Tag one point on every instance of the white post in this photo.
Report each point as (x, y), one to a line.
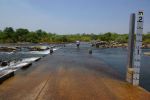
(138, 46)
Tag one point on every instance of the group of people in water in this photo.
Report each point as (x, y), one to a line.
(78, 44)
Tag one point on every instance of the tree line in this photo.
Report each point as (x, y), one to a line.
(9, 35)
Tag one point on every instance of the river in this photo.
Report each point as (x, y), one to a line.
(117, 58)
(113, 57)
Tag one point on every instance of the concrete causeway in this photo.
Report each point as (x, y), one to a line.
(69, 74)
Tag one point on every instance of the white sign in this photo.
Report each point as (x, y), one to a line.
(138, 46)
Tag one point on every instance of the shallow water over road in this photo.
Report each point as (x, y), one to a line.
(73, 74)
(117, 59)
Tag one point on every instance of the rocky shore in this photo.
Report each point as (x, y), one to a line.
(113, 44)
(7, 49)
(15, 48)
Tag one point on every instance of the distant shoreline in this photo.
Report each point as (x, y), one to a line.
(100, 44)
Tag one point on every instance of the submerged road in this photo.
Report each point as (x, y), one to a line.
(69, 74)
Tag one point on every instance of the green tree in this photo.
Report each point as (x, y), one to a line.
(42, 35)
(146, 38)
(21, 34)
(32, 37)
(9, 34)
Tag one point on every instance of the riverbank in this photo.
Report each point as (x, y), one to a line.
(113, 44)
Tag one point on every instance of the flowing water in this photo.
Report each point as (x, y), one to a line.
(117, 58)
(114, 57)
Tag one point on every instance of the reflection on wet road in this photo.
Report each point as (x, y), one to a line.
(70, 74)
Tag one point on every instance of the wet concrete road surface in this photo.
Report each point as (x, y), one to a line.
(69, 74)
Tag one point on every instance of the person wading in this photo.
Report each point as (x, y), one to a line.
(51, 51)
(78, 44)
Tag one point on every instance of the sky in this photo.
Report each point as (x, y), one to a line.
(72, 16)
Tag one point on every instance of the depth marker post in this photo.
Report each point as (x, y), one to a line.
(129, 75)
(138, 50)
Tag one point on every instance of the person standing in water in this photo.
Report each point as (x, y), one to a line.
(78, 44)
(51, 51)
(90, 51)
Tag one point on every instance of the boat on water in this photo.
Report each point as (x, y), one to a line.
(147, 53)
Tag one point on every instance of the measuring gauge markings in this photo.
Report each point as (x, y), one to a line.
(138, 46)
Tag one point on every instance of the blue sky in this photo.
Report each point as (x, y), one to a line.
(72, 16)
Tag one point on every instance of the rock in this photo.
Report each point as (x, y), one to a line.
(7, 49)
(4, 63)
